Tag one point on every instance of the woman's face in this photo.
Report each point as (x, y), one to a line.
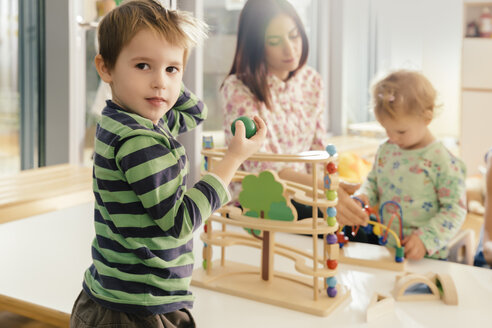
(283, 46)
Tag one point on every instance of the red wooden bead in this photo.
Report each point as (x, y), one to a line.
(331, 264)
(205, 228)
(331, 167)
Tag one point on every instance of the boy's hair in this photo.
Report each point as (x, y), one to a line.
(406, 92)
(122, 23)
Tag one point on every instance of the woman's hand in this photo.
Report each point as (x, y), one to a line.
(349, 211)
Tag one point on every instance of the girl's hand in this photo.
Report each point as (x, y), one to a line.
(414, 247)
(240, 147)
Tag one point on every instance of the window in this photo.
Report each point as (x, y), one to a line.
(9, 91)
(21, 90)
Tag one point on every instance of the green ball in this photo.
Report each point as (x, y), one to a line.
(249, 124)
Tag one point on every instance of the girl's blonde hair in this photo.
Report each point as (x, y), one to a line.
(122, 23)
(404, 91)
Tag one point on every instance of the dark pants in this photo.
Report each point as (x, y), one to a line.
(362, 236)
(88, 314)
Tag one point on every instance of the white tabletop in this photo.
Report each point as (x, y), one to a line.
(43, 259)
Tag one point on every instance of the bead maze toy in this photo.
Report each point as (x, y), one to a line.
(266, 210)
(394, 259)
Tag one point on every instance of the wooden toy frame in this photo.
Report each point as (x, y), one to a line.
(298, 292)
(383, 261)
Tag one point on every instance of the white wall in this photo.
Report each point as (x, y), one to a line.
(420, 34)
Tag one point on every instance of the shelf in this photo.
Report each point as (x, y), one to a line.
(478, 39)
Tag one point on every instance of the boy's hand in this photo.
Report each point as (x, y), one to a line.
(414, 247)
(240, 147)
(349, 211)
(239, 150)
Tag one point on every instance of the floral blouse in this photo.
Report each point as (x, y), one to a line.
(429, 185)
(295, 123)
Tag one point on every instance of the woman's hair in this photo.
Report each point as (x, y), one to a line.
(122, 23)
(249, 63)
(403, 91)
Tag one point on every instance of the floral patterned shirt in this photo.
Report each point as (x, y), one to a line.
(295, 123)
(429, 185)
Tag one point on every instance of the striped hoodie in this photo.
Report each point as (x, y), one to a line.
(144, 215)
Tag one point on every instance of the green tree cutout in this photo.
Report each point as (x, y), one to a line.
(262, 197)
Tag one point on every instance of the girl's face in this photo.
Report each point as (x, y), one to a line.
(407, 131)
(283, 46)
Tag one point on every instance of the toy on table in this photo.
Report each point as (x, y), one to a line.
(376, 226)
(437, 286)
(207, 143)
(249, 124)
(265, 210)
(379, 305)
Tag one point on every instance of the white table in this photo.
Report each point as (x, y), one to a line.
(42, 260)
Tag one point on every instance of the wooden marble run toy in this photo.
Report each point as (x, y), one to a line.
(267, 209)
(395, 260)
(439, 286)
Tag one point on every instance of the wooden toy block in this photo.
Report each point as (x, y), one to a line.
(410, 279)
(449, 293)
(379, 305)
(441, 286)
(333, 251)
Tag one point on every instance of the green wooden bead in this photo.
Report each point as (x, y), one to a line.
(332, 221)
(331, 194)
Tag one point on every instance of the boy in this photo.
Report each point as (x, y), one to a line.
(144, 215)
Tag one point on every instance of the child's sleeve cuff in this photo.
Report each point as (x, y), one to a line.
(219, 186)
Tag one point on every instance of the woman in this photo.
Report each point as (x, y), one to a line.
(269, 77)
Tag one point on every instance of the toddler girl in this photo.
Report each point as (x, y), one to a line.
(414, 169)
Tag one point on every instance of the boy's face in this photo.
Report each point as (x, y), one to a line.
(146, 79)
